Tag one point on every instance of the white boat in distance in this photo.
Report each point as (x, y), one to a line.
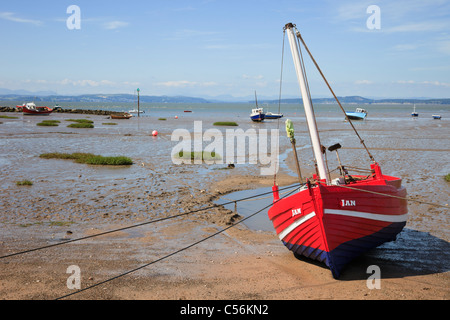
(270, 115)
(136, 111)
(359, 114)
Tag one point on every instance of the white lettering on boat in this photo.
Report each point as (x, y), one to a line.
(241, 147)
(348, 203)
(296, 212)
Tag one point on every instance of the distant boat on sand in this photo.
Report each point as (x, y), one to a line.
(270, 115)
(257, 114)
(124, 115)
(358, 114)
(30, 109)
(135, 111)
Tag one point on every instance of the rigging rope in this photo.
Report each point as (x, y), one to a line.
(334, 95)
(146, 223)
(392, 196)
(213, 235)
(176, 252)
(279, 105)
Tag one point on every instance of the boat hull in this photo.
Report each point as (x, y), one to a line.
(121, 116)
(258, 117)
(38, 112)
(273, 116)
(356, 115)
(334, 225)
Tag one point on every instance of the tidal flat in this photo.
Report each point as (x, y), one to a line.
(69, 200)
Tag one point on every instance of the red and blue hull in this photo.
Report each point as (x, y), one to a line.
(335, 224)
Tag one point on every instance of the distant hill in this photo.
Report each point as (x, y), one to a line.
(4, 91)
(130, 98)
(99, 98)
(362, 100)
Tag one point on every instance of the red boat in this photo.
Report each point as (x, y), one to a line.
(31, 109)
(335, 221)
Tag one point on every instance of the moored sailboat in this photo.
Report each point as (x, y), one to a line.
(257, 114)
(334, 221)
(414, 113)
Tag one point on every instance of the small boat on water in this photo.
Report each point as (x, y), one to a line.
(30, 109)
(257, 115)
(358, 114)
(124, 115)
(414, 113)
(335, 220)
(270, 115)
(436, 116)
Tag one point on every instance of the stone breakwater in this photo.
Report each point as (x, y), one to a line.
(80, 111)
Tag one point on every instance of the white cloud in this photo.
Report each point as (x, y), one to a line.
(112, 25)
(10, 16)
(444, 46)
(194, 33)
(363, 82)
(185, 83)
(184, 34)
(86, 83)
(405, 47)
(430, 83)
(425, 26)
(257, 77)
(218, 46)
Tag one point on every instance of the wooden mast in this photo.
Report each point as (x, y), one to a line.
(307, 104)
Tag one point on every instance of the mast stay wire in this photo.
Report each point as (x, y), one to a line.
(279, 105)
(178, 251)
(145, 223)
(299, 36)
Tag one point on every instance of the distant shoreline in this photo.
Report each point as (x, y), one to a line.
(129, 98)
(68, 110)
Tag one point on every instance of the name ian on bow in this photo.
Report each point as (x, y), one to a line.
(296, 212)
(348, 203)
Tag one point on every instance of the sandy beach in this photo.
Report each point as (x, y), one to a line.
(70, 200)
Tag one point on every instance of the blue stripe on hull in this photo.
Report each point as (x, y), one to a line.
(339, 257)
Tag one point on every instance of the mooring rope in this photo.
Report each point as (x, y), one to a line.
(145, 223)
(175, 252)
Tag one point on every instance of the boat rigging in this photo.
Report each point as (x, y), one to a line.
(334, 221)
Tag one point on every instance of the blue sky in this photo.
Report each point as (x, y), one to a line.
(212, 48)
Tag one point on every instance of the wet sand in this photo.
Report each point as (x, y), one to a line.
(70, 201)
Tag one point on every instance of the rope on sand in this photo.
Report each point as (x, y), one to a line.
(175, 252)
(146, 223)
